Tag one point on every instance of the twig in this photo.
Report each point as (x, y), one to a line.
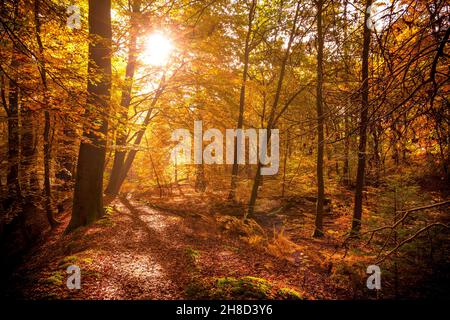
(405, 215)
(412, 238)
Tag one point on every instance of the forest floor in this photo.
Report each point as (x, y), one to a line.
(183, 247)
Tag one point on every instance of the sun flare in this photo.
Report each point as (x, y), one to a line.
(157, 49)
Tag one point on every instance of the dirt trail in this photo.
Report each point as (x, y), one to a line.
(142, 253)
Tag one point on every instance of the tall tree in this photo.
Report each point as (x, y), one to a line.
(318, 232)
(88, 193)
(235, 169)
(47, 144)
(12, 181)
(346, 164)
(357, 210)
(140, 134)
(272, 116)
(121, 139)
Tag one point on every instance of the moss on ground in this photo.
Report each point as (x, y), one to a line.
(230, 288)
(56, 279)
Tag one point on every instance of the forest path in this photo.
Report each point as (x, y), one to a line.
(129, 254)
(141, 259)
(139, 252)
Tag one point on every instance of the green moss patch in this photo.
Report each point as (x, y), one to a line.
(56, 279)
(231, 288)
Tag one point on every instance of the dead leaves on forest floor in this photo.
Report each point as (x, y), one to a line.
(145, 252)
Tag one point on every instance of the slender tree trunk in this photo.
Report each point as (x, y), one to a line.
(66, 156)
(357, 210)
(318, 231)
(12, 179)
(235, 169)
(285, 160)
(47, 144)
(130, 157)
(405, 138)
(140, 134)
(121, 140)
(346, 165)
(47, 162)
(200, 181)
(444, 155)
(176, 170)
(30, 182)
(88, 193)
(376, 152)
(156, 176)
(328, 148)
(270, 123)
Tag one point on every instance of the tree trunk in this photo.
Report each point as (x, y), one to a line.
(318, 231)
(121, 140)
(139, 135)
(235, 169)
(346, 164)
(47, 144)
(88, 193)
(357, 210)
(156, 175)
(376, 152)
(200, 181)
(270, 123)
(287, 148)
(12, 179)
(30, 182)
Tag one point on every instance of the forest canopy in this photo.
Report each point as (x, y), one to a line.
(307, 139)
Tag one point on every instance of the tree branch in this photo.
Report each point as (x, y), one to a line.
(412, 238)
